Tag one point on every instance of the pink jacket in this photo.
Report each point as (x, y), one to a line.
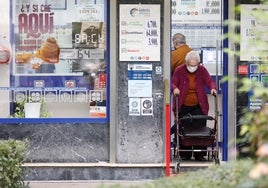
(202, 80)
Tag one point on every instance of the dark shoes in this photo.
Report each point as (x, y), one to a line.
(186, 158)
(200, 158)
(197, 158)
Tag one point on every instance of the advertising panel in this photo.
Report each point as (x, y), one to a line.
(59, 59)
(199, 20)
(253, 30)
(139, 31)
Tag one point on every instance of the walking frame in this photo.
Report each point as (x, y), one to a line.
(193, 135)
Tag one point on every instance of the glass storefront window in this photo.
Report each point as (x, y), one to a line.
(59, 59)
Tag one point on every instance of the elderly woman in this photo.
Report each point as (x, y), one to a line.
(189, 83)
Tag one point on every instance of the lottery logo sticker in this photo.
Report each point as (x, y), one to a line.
(80, 96)
(35, 96)
(96, 96)
(147, 106)
(65, 96)
(134, 107)
(20, 96)
(39, 83)
(134, 104)
(51, 96)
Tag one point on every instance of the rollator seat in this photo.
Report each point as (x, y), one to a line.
(196, 131)
(191, 117)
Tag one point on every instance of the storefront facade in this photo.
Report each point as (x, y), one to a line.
(102, 71)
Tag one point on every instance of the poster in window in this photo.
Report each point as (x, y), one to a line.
(200, 21)
(253, 30)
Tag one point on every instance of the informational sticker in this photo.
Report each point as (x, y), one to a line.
(102, 80)
(147, 106)
(257, 73)
(80, 96)
(96, 95)
(97, 111)
(50, 96)
(35, 95)
(20, 96)
(70, 83)
(158, 70)
(66, 96)
(39, 83)
(242, 69)
(254, 68)
(139, 88)
(139, 80)
(134, 106)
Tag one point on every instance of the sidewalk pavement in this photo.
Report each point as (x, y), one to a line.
(84, 184)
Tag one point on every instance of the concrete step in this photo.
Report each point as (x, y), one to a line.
(189, 165)
(83, 184)
(92, 171)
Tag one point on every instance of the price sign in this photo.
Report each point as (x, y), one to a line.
(90, 53)
(83, 53)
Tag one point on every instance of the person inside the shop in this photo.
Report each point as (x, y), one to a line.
(179, 52)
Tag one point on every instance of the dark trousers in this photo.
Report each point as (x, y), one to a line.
(193, 110)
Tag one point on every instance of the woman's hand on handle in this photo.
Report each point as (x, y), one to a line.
(213, 92)
(176, 92)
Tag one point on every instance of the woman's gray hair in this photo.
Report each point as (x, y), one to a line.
(192, 55)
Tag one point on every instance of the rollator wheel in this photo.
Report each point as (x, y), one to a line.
(209, 156)
(177, 167)
(215, 156)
